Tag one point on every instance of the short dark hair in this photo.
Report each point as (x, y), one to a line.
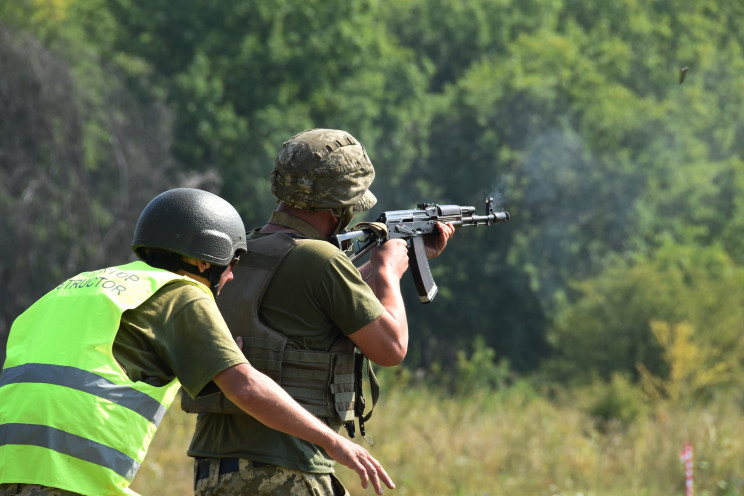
(162, 259)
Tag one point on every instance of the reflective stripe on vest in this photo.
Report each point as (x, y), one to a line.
(82, 380)
(69, 444)
(69, 416)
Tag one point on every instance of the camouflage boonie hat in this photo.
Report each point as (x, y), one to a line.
(323, 169)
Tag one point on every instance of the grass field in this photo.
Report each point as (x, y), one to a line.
(514, 443)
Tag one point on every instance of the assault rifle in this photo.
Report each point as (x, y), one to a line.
(411, 225)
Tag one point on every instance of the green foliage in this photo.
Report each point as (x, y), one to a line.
(569, 113)
(79, 158)
(695, 370)
(618, 401)
(244, 77)
(609, 327)
(620, 271)
(480, 371)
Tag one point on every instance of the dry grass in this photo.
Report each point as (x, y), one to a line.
(167, 471)
(513, 444)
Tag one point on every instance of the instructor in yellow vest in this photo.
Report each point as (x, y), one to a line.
(93, 365)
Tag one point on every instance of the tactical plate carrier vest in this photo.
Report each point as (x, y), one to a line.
(326, 383)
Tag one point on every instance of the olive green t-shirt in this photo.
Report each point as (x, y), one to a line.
(177, 332)
(315, 296)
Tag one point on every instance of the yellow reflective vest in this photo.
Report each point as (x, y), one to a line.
(70, 417)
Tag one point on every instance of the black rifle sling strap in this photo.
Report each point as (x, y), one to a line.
(360, 402)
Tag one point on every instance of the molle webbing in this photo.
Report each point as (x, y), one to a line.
(321, 381)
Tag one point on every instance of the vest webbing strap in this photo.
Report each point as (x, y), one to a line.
(306, 393)
(304, 356)
(69, 444)
(88, 382)
(305, 373)
(268, 344)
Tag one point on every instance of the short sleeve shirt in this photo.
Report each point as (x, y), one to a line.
(178, 332)
(315, 296)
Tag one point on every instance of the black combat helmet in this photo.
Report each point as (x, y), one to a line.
(191, 222)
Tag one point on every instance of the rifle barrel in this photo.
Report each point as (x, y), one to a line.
(478, 220)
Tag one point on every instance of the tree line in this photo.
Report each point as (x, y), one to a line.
(624, 180)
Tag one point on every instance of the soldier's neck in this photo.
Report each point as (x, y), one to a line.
(312, 224)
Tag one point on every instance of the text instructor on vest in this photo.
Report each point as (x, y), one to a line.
(317, 299)
(93, 365)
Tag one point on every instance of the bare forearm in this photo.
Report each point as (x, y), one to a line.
(385, 284)
(385, 339)
(267, 402)
(264, 400)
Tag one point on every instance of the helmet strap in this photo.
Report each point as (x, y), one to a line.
(213, 274)
(174, 262)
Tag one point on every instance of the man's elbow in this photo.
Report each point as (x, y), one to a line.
(393, 357)
(239, 383)
(384, 341)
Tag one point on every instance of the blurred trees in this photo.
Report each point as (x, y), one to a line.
(80, 157)
(609, 328)
(625, 186)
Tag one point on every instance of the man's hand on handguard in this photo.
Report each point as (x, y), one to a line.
(358, 459)
(436, 242)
